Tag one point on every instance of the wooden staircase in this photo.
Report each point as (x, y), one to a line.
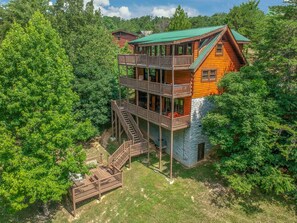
(106, 178)
(136, 146)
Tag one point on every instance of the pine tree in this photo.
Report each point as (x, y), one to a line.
(38, 130)
(247, 19)
(180, 20)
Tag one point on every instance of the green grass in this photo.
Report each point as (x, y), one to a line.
(197, 195)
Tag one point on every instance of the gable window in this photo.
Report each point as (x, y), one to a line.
(219, 49)
(209, 75)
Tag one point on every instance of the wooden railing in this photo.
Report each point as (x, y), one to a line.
(139, 148)
(179, 90)
(96, 187)
(115, 107)
(155, 61)
(165, 121)
(123, 148)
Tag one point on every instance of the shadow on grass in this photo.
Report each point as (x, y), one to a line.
(33, 213)
(220, 194)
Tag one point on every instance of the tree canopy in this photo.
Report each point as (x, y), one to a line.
(180, 20)
(254, 122)
(92, 53)
(38, 129)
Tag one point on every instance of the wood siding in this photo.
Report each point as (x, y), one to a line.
(222, 63)
(187, 106)
(122, 38)
(180, 77)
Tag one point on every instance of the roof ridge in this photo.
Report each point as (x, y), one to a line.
(206, 27)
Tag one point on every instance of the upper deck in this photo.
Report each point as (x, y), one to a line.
(177, 62)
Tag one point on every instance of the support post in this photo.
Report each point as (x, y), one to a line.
(120, 96)
(99, 189)
(130, 157)
(172, 113)
(160, 148)
(120, 132)
(160, 127)
(137, 104)
(148, 123)
(73, 202)
(116, 127)
(112, 128)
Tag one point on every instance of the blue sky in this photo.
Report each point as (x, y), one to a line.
(135, 8)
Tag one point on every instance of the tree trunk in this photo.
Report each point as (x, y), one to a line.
(45, 209)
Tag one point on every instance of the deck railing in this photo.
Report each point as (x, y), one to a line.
(115, 107)
(154, 117)
(96, 187)
(179, 90)
(155, 61)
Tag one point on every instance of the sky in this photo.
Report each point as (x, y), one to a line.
(134, 8)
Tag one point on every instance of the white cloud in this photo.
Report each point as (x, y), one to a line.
(138, 11)
(122, 11)
(98, 3)
(163, 11)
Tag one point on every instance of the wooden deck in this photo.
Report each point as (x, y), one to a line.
(178, 123)
(100, 180)
(103, 179)
(178, 90)
(182, 62)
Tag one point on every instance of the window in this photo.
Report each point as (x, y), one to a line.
(189, 49)
(180, 50)
(219, 50)
(179, 106)
(209, 75)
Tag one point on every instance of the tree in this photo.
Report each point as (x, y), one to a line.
(180, 20)
(37, 127)
(245, 126)
(247, 19)
(277, 52)
(19, 11)
(92, 52)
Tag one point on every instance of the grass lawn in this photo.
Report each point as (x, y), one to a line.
(196, 195)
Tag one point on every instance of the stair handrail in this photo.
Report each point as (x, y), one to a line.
(122, 120)
(134, 124)
(121, 149)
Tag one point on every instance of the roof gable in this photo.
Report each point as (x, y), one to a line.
(123, 31)
(210, 46)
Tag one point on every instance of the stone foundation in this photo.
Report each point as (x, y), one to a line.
(185, 141)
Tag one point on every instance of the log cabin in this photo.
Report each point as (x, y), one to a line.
(168, 79)
(121, 37)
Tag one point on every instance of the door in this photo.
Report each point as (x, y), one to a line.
(201, 148)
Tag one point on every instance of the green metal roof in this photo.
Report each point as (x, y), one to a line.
(175, 35)
(239, 37)
(204, 53)
(184, 34)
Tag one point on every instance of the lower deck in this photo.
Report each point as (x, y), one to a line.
(100, 180)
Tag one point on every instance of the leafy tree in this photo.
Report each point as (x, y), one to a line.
(38, 130)
(277, 53)
(180, 20)
(92, 53)
(245, 126)
(246, 18)
(19, 11)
